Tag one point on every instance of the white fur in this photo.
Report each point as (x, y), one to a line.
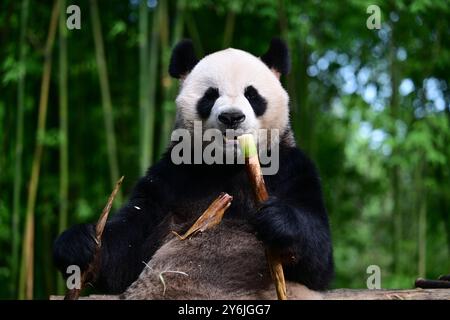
(231, 71)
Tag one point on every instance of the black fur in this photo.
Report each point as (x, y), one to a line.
(81, 249)
(294, 220)
(258, 103)
(206, 102)
(277, 57)
(183, 59)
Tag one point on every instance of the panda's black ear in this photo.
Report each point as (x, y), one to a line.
(277, 57)
(183, 59)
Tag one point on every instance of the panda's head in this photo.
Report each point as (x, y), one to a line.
(232, 89)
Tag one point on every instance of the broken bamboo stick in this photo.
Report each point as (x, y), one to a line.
(211, 217)
(250, 153)
(93, 267)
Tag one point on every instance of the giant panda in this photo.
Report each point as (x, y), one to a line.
(142, 259)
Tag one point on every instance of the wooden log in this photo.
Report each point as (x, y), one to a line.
(383, 294)
(342, 294)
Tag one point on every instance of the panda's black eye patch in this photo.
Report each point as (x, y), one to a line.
(258, 103)
(205, 104)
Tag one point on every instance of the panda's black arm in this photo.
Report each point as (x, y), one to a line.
(129, 239)
(294, 221)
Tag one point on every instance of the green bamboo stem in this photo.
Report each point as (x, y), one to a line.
(152, 84)
(63, 123)
(144, 103)
(169, 86)
(178, 28)
(194, 34)
(165, 79)
(19, 147)
(229, 28)
(27, 268)
(422, 223)
(153, 80)
(395, 169)
(298, 93)
(105, 95)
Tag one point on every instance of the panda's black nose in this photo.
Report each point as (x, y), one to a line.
(231, 118)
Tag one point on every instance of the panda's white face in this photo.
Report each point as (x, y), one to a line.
(232, 89)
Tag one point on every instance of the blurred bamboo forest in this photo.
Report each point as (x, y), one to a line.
(79, 108)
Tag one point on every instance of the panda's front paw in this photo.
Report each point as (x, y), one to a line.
(75, 246)
(275, 223)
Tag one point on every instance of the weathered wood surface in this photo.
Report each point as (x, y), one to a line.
(412, 294)
(343, 294)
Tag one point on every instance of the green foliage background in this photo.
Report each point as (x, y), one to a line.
(371, 107)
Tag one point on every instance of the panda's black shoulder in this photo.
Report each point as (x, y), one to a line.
(155, 182)
(298, 179)
(295, 162)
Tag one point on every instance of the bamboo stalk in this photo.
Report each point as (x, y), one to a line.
(298, 94)
(422, 229)
(63, 110)
(92, 270)
(153, 81)
(229, 28)
(194, 34)
(166, 81)
(19, 147)
(144, 103)
(63, 125)
(179, 22)
(432, 284)
(211, 217)
(395, 170)
(252, 165)
(26, 274)
(105, 94)
(168, 85)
